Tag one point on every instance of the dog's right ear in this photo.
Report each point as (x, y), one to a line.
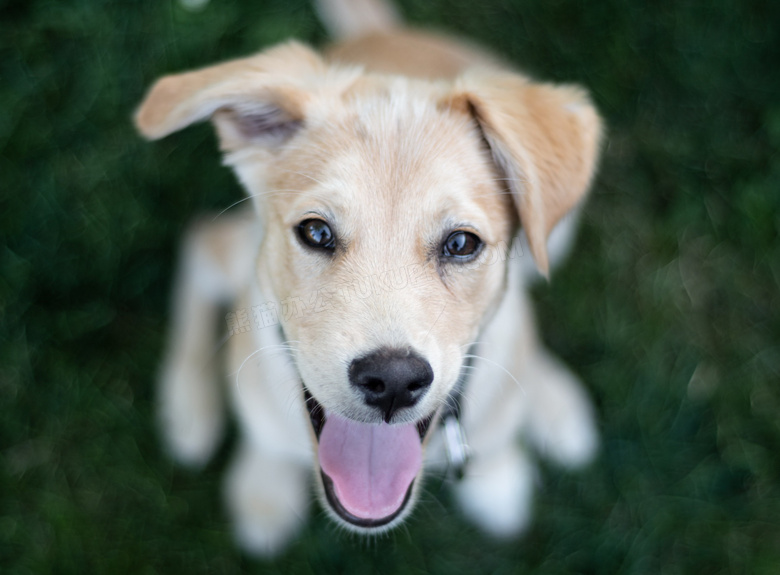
(544, 138)
(259, 100)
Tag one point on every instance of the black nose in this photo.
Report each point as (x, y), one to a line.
(391, 379)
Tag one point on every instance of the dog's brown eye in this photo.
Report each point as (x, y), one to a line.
(316, 233)
(461, 245)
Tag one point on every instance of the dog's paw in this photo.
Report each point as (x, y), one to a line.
(268, 499)
(497, 493)
(561, 424)
(191, 412)
(265, 536)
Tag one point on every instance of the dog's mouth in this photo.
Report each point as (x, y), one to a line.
(367, 470)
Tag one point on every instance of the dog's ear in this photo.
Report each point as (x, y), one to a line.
(544, 138)
(256, 100)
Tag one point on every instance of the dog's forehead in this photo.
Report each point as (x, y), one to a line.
(389, 151)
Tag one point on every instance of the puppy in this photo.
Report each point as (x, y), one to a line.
(379, 325)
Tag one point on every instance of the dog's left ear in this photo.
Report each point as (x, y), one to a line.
(260, 100)
(544, 138)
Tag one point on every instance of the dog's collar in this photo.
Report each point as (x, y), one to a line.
(455, 444)
(454, 437)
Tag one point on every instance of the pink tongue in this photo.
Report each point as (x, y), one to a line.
(371, 466)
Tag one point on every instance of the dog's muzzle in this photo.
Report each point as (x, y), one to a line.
(368, 470)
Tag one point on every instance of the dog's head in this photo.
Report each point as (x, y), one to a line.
(386, 204)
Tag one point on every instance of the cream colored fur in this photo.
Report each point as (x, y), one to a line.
(394, 137)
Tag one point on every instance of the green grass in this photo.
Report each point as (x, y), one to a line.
(669, 308)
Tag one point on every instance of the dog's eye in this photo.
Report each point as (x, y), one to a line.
(316, 233)
(461, 245)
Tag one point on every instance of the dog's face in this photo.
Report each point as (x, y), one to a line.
(389, 216)
(385, 202)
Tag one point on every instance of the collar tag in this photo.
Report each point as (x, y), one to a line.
(456, 446)
(455, 443)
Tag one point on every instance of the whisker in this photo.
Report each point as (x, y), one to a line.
(237, 374)
(498, 365)
(469, 344)
(279, 191)
(234, 204)
(258, 195)
(313, 179)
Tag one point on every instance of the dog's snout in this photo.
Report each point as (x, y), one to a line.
(391, 379)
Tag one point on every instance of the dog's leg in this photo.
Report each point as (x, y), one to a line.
(267, 487)
(535, 397)
(211, 272)
(268, 498)
(561, 423)
(556, 415)
(497, 491)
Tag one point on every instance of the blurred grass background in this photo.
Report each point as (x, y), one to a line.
(669, 308)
